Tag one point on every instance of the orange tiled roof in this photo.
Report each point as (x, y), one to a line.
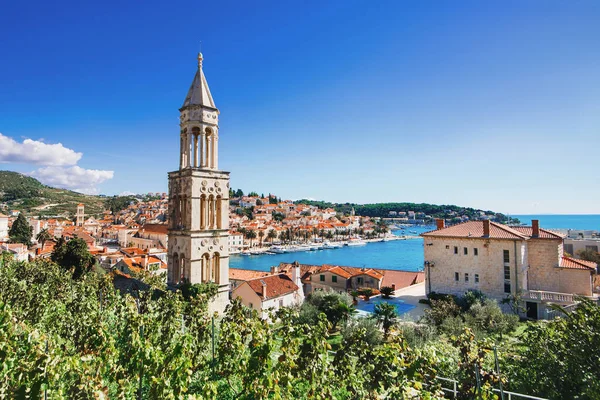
(239, 274)
(277, 286)
(474, 229)
(339, 271)
(544, 233)
(572, 263)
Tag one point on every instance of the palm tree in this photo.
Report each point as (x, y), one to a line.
(271, 235)
(386, 316)
(250, 234)
(43, 237)
(261, 234)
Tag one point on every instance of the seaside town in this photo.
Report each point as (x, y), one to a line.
(203, 291)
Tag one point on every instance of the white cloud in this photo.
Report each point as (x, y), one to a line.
(127, 193)
(36, 152)
(73, 178)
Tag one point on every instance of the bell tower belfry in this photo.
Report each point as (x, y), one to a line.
(199, 198)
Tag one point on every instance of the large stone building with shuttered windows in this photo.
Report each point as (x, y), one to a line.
(503, 261)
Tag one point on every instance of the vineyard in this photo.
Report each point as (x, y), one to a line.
(83, 339)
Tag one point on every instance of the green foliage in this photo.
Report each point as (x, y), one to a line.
(118, 203)
(43, 237)
(16, 186)
(589, 255)
(23, 193)
(386, 316)
(452, 315)
(21, 231)
(191, 291)
(561, 359)
(337, 307)
(367, 292)
(73, 256)
(474, 380)
(386, 292)
(277, 216)
(367, 328)
(417, 335)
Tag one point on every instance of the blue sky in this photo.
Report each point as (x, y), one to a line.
(493, 104)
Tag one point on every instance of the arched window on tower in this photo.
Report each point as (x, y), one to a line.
(208, 148)
(219, 206)
(175, 273)
(206, 267)
(195, 146)
(216, 268)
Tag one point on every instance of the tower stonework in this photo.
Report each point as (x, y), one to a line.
(80, 215)
(199, 198)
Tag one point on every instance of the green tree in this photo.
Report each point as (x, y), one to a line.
(73, 255)
(589, 255)
(386, 292)
(560, 359)
(386, 316)
(250, 234)
(43, 237)
(337, 307)
(271, 235)
(21, 231)
(261, 235)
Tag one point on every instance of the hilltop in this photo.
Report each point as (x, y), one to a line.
(31, 197)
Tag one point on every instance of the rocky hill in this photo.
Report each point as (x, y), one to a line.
(28, 195)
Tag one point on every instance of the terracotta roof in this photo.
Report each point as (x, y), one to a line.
(156, 228)
(402, 279)
(339, 271)
(573, 263)
(246, 274)
(474, 229)
(544, 233)
(277, 286)
(370, 272)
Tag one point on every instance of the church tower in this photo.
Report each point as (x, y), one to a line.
(80, 215)
(199, 198)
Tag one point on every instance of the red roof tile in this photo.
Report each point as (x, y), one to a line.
(276, 285)
(239, 274)
(474, 229)
(544, 233)
(572, 263)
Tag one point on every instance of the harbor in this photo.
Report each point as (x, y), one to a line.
(402, 251)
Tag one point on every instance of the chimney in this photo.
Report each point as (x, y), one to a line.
(441, 223)
(394, 287)
(535, 225)
(145, 261)
(486, 228)
(264, 289)
(38, 251)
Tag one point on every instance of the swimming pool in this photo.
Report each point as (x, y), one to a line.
(367, 307)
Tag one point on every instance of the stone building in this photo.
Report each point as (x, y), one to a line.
(199, 198)
(503, 261)
(80, 214)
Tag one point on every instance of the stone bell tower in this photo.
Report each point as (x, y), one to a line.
(199, 198)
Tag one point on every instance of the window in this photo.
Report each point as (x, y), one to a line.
(455, 250)
(475, 251)
(322, 278)
(466, 277)
(359, 280)
(507, 272)
(280, 303)
(506, 287)
(447, 246)
(506, 256)
(476, 278)
(250, 305)
(593, 248)
(568, 248)
(465, 251)
(456, 277)
(333, 278)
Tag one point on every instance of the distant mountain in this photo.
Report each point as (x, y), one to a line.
(28, 195)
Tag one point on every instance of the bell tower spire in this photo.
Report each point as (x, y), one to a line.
(198, 244)
(199, 123)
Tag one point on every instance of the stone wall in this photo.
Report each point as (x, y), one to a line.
(488, 264)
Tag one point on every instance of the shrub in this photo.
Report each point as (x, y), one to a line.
(440, 310)
(372, 334)
(386, 292)
(470, 298)
(417, 335)
(488, 317)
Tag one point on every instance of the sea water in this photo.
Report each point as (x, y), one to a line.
(398, 254)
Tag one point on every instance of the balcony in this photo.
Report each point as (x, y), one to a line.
(553, 297)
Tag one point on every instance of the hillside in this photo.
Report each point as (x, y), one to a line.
(28, 195)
